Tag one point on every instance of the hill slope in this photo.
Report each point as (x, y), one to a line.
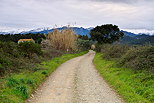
(129, 38)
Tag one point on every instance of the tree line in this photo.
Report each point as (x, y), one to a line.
(15, 37)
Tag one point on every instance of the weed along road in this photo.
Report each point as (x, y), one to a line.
(75, 81)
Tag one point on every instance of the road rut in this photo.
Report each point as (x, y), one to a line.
(75, 81)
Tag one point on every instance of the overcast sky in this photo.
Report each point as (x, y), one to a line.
(127, 14)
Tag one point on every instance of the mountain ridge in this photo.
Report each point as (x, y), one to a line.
(77, 30)
(129, 38)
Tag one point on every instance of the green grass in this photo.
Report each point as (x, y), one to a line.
(16, 88)
(133, 86)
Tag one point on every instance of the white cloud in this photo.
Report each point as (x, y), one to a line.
(45, 13)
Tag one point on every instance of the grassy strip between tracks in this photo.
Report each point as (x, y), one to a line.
(133, 86)
(16, 88)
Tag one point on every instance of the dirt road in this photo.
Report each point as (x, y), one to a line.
(75, 81)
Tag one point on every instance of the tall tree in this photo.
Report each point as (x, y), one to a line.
(106, 34)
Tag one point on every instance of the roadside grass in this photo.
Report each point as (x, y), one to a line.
(16, 88)
(133, 86)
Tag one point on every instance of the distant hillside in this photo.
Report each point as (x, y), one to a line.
(129, 33)
(129, 38)
(77, 30)
(137, 40)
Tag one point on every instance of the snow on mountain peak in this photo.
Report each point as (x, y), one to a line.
(47, 29)
(140, 31)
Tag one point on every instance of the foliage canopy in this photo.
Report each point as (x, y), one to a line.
(106, 34)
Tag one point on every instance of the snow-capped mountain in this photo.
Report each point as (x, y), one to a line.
(140, 31)
(131, 37)
(23, 31)
(10, 31)
(77, 30)
(38, 30)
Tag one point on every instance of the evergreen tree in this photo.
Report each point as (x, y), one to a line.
(106, 34)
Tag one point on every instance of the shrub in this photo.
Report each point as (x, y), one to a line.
(1, 66)
(9, 48)
(98, 47)
(63, 40)
(135, 87)
(31, 83)
(84, 44)
(45, 73)
(12, 56)
(11, 82)
(114, 51)
(22, 91)
(5, 63)
(30, 48)
(139, 58)
(50, 53)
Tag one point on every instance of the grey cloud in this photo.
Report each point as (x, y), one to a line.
(122, 1)
(42, 13)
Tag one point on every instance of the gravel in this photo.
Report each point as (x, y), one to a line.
(75, 81)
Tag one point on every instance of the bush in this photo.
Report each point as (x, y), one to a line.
(17, 87)
(139, 58)
(5, 62)
(13, 57)
(135, 57)
(50, 53)
(11, 82)
(9, 49)
(134, 87)
(63, 40)
(114, 51)
(22, 91)
(98, 47)
(30, 48)
(84, 44)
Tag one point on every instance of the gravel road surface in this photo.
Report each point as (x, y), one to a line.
(75, 81)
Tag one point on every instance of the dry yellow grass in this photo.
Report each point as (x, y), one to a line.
(63, 40)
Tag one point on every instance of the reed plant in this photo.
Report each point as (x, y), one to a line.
(64, 40)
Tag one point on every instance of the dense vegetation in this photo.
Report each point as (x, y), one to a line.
(24, 66)
(20, 69)
(137, 40)
(106, 34)
(16, 58)
(129, 69)
(24, 56)
(17, 87)
(134, 57)
(133, 86)
(14, 38)
(83, 37)
(84, 44)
